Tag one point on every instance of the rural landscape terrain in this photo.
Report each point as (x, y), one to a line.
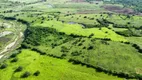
(70, 39)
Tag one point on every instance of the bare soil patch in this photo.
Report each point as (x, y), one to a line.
(118, 9)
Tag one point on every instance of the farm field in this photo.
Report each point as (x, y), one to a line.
(70, 40)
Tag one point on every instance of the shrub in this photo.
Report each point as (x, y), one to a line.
(63, 55)
(20, 68)
(13, 55)
(64, 49)
(26, 74)
(92, 40)
(66, 40)
(91, 35)
(106, 32)
(3, 66)
(83, 41)
(127, 42)
(140, 50)
(61, 33)
(85, 16)
(104, 42)
(90, 47)
(80, 44)
(36, 73)
(136, 46)
(14, 60)
(84, 47)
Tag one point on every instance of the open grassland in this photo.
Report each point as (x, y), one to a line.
(78, 30)
(49, 68)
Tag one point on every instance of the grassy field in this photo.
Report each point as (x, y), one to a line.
(54, 69)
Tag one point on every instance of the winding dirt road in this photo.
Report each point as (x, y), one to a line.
(11, 45)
